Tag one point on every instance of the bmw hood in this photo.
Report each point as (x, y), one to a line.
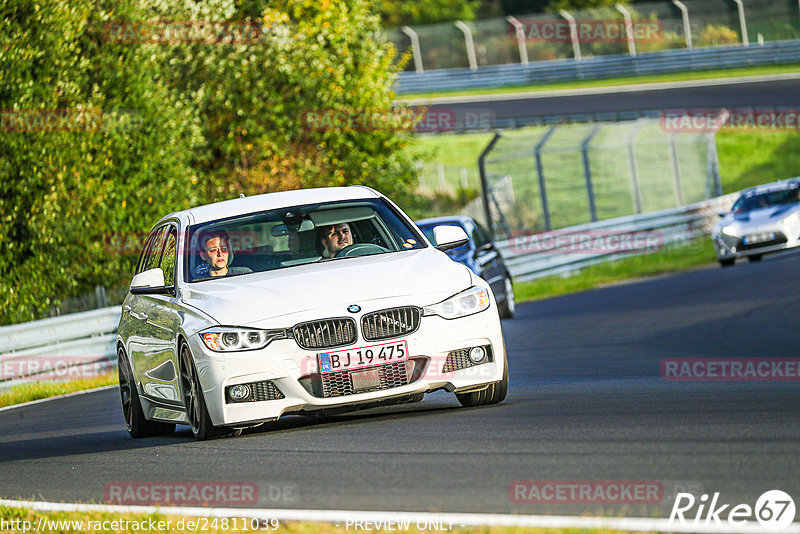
(250, 298)
(765, 218)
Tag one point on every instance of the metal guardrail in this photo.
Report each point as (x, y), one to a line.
(562, 251)
(60, 344)
(590, 68)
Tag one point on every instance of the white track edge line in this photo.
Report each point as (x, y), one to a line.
(64, 396)
(452, 519)
(655, 86)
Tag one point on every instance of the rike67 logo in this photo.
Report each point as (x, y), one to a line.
(774, 510)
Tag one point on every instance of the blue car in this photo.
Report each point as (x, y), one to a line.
(480, 255)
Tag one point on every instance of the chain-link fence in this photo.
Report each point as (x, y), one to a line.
(547, 178)
(545, 36)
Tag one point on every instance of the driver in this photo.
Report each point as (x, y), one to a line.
(335, 237)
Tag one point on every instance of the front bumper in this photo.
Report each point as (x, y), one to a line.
(732, 247)
(285, 367)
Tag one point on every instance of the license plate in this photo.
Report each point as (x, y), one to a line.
(758, 238)
(361, 357)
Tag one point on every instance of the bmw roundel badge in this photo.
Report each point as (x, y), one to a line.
(354, 308)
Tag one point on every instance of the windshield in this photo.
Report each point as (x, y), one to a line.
(764, 199)
(297, 235)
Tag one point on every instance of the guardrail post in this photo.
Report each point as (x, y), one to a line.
(540, 174)
(473, 63)
(519, 30)
(676, 169)
(415, 49)
(636, 192)
(687, 30)
(487, 212)
(629, 28)
(742, 22)
(573, 33)
(587, 171)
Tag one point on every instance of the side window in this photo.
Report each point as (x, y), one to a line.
(153, 253)
(168, 258)
(140, 266)
(481, 236)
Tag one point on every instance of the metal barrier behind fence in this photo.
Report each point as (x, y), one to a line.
(603, 31)
(542, 179)
(666, 62)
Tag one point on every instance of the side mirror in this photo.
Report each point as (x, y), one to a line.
(721, 214)
(150, 281)
(449, 237)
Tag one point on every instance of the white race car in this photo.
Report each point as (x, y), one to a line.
(763, 219)
(318, 300)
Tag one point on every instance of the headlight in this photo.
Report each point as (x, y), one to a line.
(229, 339)
(473, 300)
(728, 231)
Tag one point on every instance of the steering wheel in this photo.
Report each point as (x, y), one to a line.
(360, 249)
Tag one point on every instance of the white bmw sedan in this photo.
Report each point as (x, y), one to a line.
(312, 301)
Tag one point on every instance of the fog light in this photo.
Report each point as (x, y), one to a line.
(238, 393)
(477, 354)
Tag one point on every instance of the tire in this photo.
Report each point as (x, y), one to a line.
(754, 257)
(195, 403)
(509, 305)
(727, 262)
(493, 394)
(135, 422)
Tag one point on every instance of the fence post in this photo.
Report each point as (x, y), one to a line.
(687, 30)
(742, 22)
(713, 183)
(676, 169)
(587, 171)
(636, 191)
(540, 174)
(415, 49)
(473, 63)
(519, 29)
(629, 28)
(100, 295)
(573, 33)
(487, 212)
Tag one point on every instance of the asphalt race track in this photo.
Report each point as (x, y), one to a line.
(586, 403)
(701, 95)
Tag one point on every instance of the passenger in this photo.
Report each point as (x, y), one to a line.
(334, 238)
(216, 254)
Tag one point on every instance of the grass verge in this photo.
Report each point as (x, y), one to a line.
(25, 520)
(45, 389)
(694, 254)
(628, 80)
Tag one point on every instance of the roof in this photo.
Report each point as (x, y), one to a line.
(269, 201)
(781, 185)
(432, 221)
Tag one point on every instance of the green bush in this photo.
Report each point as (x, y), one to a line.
(163, 126)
